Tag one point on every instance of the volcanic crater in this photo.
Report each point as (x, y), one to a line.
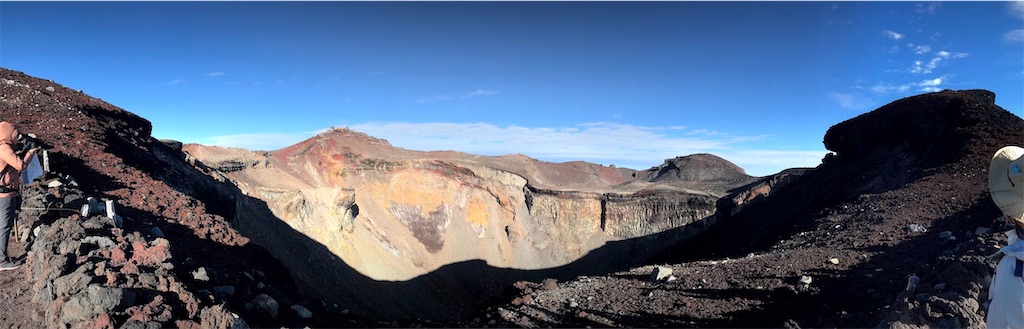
(344, 229)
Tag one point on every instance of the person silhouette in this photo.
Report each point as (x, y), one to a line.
(10, 186)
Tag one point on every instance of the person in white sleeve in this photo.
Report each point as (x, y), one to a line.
(1006, 293)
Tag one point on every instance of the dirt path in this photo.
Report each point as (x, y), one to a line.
(16, 307)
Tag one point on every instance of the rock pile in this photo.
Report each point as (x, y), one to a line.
(89, 272)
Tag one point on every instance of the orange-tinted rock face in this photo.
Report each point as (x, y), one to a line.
(397, 215)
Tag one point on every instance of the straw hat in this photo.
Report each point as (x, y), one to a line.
(1006, 182)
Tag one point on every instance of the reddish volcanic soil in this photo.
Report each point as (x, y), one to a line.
(110, 153)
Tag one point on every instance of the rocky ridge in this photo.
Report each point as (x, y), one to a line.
(892, 230)
(93, 274)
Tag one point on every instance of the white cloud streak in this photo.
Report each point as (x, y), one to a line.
(892, 35)
(215, 74)
(920, 67)
(886, 88)
(1015, 36)
(930, 85)
(850, 101)
(632, 146)
(927, 8)
(480, 92)
(472, 94)
(1016, 9)
(920, 49)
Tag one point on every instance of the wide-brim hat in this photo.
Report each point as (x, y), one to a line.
(1006, 182)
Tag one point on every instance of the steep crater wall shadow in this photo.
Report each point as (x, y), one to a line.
(452, 291)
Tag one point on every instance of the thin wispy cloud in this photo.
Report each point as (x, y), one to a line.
(215, 74)
(946, 55)
(919, 49)
(892, 35)
(1016, 9)
(929, 85)
(1015, 36)
(633, 146)
(850, 101)
(887, 88)
(921, 67)
(472, 94)
(175, 82)
(480, 92)
(424, 100)
(927, 7)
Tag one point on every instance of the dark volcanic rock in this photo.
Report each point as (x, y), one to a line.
(914, 126)
(920, 160)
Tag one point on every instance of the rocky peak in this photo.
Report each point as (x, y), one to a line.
(922, 125)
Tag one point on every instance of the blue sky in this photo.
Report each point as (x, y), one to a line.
(630, 84)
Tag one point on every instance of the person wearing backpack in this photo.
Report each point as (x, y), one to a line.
(1006, 292)
(10, 187)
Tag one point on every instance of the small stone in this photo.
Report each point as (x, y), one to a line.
(504, 314)
(672, 278)
(302, 312)
(200, 274)
(940, 287)
(834, 261)
(660, 273)
(650, 294)
(260, 285)
(916, 228)
(266, 304)
(155, 231)
(225, 290)
(912, 282)
(574, 304)
(981, 231)
(549, 284)
(805, 280)
(945, 234)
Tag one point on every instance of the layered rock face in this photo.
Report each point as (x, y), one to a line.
(396, 215)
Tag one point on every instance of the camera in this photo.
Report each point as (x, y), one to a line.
(27, 142)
